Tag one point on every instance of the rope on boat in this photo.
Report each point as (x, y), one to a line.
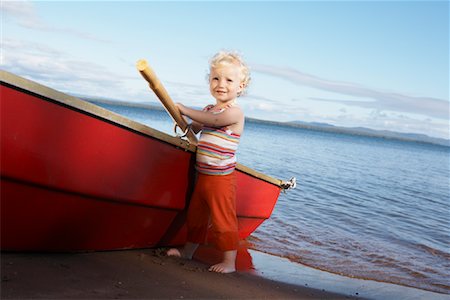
(184, 133)
(290, 184)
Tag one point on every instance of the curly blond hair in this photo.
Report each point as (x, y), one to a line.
(224, 58)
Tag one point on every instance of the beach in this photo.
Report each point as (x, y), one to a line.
(135, 274)
(149, 274)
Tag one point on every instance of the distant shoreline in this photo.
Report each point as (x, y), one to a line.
(322, 127)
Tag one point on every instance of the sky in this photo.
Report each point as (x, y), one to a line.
(377, 64)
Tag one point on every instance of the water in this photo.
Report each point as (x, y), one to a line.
(364, 207)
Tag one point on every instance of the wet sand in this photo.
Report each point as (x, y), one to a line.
(136, 274)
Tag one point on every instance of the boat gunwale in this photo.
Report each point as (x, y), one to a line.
(83, 106)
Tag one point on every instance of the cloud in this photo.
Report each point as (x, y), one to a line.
(22, 12)
(261, 98)
(59, 70)
(196, 95)
(63, 72)
(382, 120)
(25, 15)
(382, 100)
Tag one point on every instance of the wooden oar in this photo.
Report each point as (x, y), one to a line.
(164, 97)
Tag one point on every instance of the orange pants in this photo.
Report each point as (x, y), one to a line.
(214, 201)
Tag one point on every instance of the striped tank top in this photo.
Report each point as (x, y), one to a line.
(216, 149)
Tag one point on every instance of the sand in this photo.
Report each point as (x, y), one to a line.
(135, 274)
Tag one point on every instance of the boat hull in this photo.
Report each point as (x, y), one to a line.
(77, 177)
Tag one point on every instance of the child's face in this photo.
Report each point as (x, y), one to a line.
(225, 83)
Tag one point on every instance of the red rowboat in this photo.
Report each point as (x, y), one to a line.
(75, 176)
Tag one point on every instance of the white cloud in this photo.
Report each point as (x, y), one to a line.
(263, 106)
(58, 70)
(25, 15)
(393, 121)
(190, 94)
(63, 72)
(23, 12)
(381, 100)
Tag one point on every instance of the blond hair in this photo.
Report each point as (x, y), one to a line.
(226, 58)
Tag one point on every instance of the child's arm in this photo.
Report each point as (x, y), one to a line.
(196, 126)
(230, 116)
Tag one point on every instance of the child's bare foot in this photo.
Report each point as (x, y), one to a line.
(223, 268)
(173, 252)
(228, 265)
(186, 252)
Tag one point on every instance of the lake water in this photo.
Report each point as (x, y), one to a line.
(364, 207)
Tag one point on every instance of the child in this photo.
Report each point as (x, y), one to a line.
(214, 197)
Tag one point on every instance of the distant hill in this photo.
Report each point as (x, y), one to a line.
(317, 126)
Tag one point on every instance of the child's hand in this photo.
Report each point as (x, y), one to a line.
(180, 107)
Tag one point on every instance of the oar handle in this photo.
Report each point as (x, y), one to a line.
(164, 97)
